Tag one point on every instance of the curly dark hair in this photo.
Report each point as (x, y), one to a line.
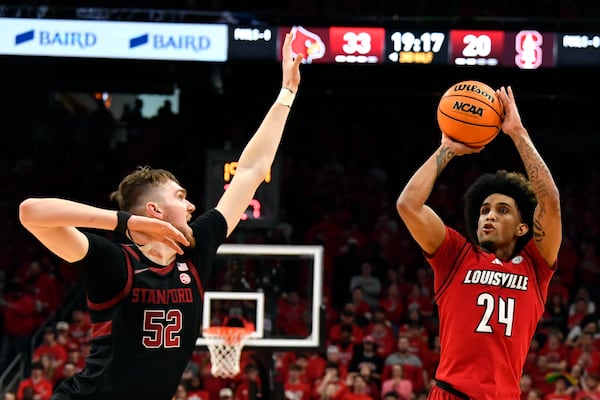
(512, 184)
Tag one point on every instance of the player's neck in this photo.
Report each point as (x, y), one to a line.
(158, 253)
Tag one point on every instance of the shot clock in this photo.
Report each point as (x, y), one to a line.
(263, 210)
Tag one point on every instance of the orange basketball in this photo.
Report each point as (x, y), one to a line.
(470, 112)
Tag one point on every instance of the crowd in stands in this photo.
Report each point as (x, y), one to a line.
(340, 181)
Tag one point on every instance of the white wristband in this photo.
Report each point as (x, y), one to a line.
(286, 97)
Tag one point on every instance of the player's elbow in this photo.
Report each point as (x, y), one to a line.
(27, 210)
(405, 205)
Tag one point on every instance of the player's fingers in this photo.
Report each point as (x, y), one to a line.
(173, 244)
(178, 236)
(287, 50)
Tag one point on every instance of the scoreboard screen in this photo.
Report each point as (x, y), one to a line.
(578, 49)
(252, 42)
(525, 49)
(392, 42)
(263, 209)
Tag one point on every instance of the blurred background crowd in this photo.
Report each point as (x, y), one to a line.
(354, 137)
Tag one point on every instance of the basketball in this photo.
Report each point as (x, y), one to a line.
(470, 112)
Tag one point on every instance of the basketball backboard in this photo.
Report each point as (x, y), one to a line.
(269, 288)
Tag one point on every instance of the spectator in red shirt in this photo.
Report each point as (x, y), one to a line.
(314, 368)
(68, 370)
(80, 328)
(212, 384)
(562, 390)
(250, 382)
(416, 299)
(331, 385)
(590, 388)
(334, 356)
(294, 388)
(63, 337)
(292, 315)
(383, 336)
(556, 314)
(51, 348)
(532, 354)
(526, 385)
(331, 314)
(393, 305)
(556, 352)
(358, 389)
(538, 375)
(363, 313)
(74, 355)
(20, 323)
(586, 354)
(432, 359)
(196, 390)
(345, 345)
(346, 319)
(45, 290)
(42, 387)
(578, 311)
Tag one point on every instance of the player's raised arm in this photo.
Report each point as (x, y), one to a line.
(258, 155)
(547, 226)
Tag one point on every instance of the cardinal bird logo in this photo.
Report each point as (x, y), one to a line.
(307, 43)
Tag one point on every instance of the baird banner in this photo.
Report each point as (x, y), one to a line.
(114, 39)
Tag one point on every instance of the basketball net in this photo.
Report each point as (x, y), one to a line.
(225, 345)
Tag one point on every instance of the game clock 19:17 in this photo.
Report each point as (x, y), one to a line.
(416, 47)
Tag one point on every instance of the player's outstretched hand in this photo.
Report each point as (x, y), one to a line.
(512, 124)
(290, 65)
(143, 230)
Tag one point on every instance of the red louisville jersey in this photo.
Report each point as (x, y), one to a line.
(488, 309)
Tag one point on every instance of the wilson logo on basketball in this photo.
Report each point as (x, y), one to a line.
(475, 89)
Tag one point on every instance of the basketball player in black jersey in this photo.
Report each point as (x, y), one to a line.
(145, 300)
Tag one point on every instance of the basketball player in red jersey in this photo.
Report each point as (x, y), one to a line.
(145, 299)
(490, 288)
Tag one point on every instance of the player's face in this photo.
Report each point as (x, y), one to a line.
(499, 222)
(177, 209)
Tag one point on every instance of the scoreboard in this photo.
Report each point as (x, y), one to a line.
(524, 49)
(337, 44)
(263, 210)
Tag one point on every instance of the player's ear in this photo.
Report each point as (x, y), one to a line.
(154, 210)
(522, 229)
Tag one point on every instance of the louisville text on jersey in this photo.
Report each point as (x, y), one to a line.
(496, 278)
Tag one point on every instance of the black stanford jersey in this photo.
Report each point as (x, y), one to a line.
(145, 317)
